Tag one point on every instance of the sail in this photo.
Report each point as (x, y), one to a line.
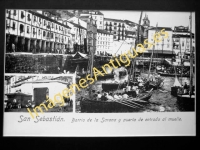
(176, 82)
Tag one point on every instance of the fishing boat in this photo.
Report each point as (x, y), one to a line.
(156, 84)
(146, 96)
(123, 105)
(108, 106)
(172, 75)
(186, 102)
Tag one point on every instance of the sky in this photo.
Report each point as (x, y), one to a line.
(164, 19)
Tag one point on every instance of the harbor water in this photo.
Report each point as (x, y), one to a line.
(161, 99)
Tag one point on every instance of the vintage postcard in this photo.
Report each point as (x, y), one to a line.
(99, 73)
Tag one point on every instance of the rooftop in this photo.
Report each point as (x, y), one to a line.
(130, 32)
(130, 23)
(77, 25)
(160, 51)
(117, 20)
(160, 28)
(182, 35)
(97, 12)
(47, 18)
(103, 31)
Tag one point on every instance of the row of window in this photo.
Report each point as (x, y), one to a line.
(102, 34)
(36, 21)
(113, 23)
(103, 47)
(82, 31)
(114, 28)
(34, 31)
(108, 43)
(106, 39)
(22, 27)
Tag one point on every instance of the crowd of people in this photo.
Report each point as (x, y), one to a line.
(116, 95)
(184, 89)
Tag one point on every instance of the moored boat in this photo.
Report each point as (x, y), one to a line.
(186, 102)
(124, 105)
(107, 106)
(172, 75)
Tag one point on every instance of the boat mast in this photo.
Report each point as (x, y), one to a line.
(137, 41)
(152, 54)
(191, 55)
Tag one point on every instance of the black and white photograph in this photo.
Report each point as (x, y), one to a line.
(161, 78)
(96, 72)
(25, 93)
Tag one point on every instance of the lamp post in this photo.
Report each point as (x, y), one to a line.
(162, 53)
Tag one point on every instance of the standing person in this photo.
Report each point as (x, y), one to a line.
(125, 95)
(109, 96)
(116, 96)
(92, 94)
(185, 87)
(13, 47)
(99, 95)
(120, 96)
(104, 97)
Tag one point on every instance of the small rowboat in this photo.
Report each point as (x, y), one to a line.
(108, 106)
(185, 102)
(173, 75)
(122, 105)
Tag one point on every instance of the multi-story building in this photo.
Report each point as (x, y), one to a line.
(104, 42)
(163, 48)
(79, 35)
(116, 27)
(130, 31)
(166, 43)
(97, 16)
(181, 39)
(35, 31)
(146, 25)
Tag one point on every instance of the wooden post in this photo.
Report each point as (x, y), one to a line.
(34, 46)
(28, 45)
(55, 47)
(40, 45)
(16, 42)
(52, 47)
(48, 47)
(191, 55)
(23, 43)
(44, 47)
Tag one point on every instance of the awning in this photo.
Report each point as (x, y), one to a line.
(79, 54)
(161, 51)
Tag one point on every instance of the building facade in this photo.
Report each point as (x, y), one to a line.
(97, 16)
(166, 44)
(104, 42)
(79, 36)
(35, 32)
(146, 25)
(181, 40)
(116, 27)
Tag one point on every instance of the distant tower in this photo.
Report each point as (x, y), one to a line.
(146, 25)
(146, 22)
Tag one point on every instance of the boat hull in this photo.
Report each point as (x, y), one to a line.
(103, 107)
(173, 75)
(186, 103)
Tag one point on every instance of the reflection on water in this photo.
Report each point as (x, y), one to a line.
(169, 81)
(161, 99)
